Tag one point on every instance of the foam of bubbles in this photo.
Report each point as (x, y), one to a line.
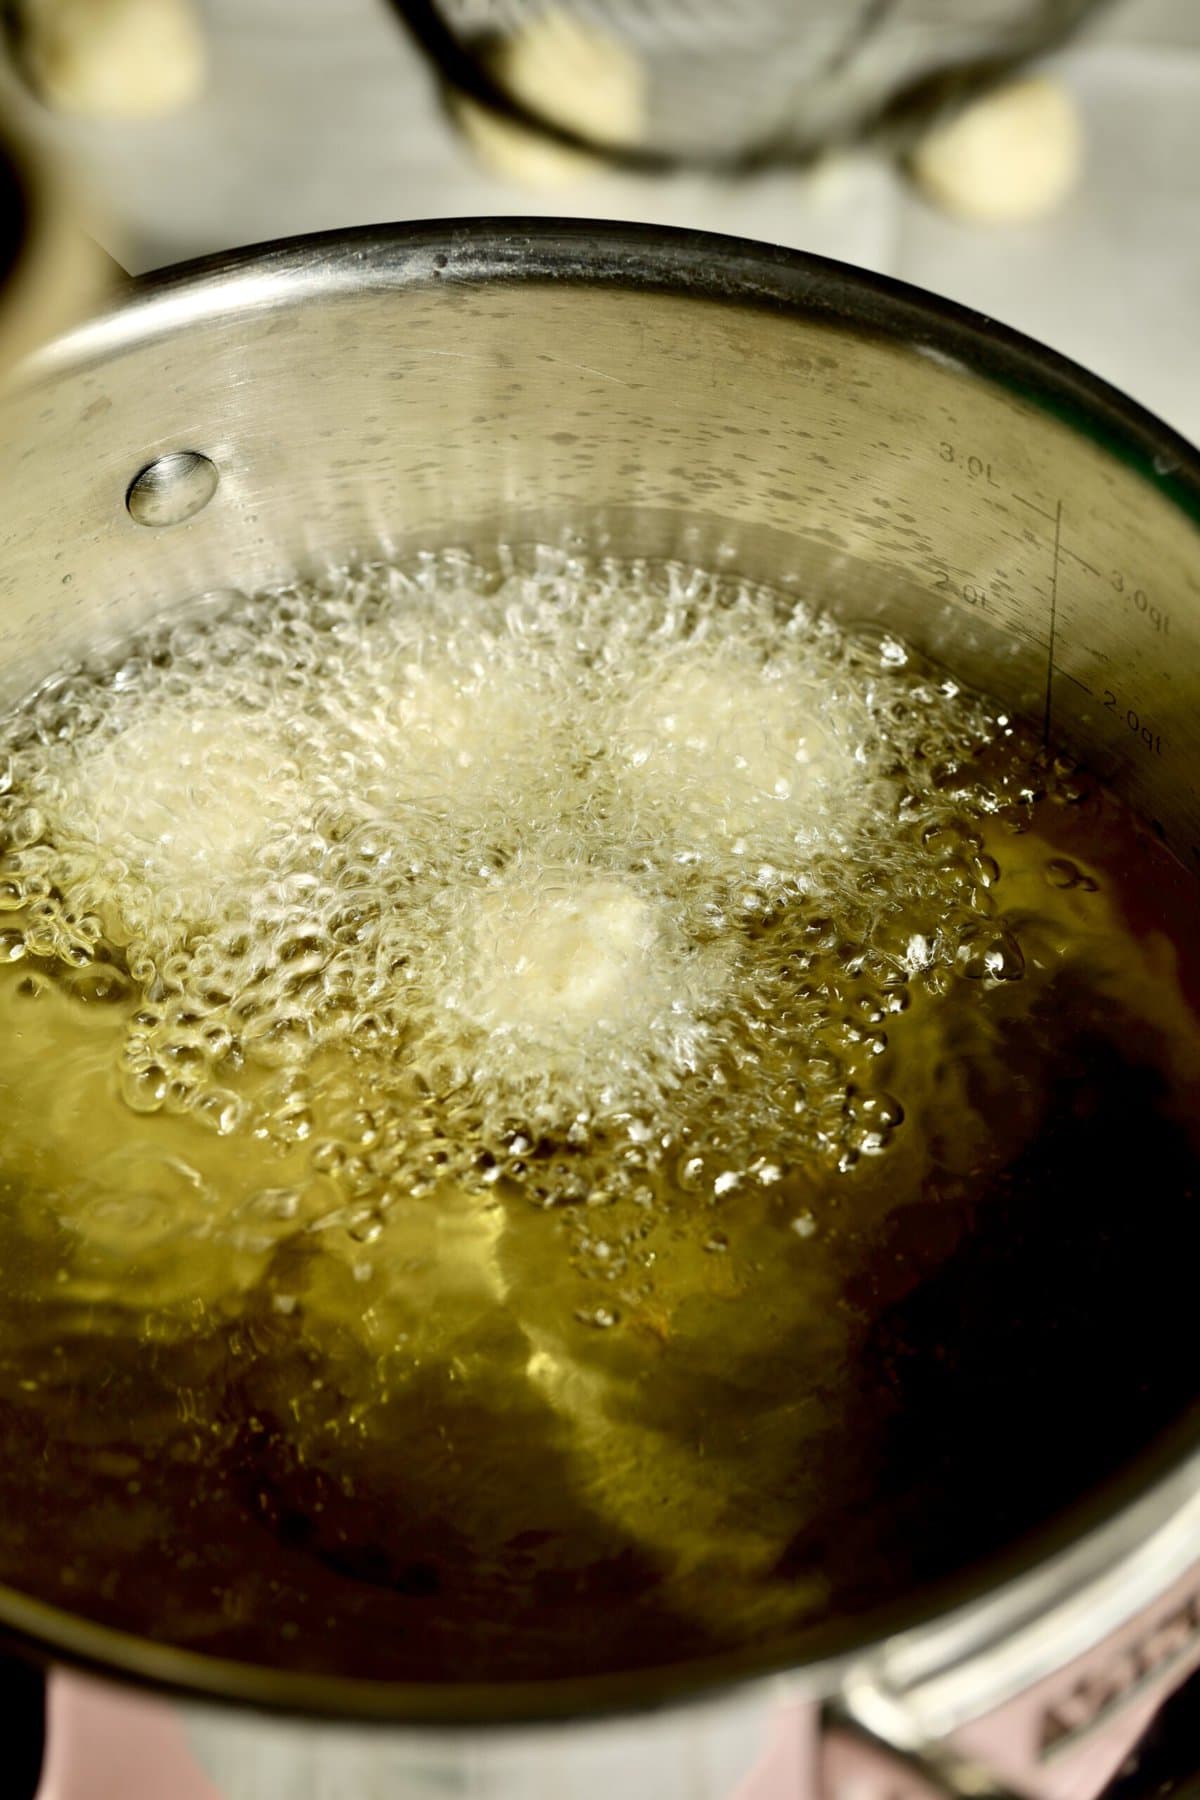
(580, 879)
(738, 747)
(559, 984)
(185, 799)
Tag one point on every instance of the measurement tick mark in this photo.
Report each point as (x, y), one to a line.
(1033, 506)
(1083, 563)
(1079, 684)
(1053, 621)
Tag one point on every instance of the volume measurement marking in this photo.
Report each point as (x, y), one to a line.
(1133, 600)
(1058, 511)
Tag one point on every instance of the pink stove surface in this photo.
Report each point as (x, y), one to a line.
(105, 1744)
(1063, 1738)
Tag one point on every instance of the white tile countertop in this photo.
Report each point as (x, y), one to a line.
(320, 113)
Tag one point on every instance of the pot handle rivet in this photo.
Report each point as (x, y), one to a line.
(172, 488)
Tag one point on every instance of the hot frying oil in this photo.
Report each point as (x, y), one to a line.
(565, 1118)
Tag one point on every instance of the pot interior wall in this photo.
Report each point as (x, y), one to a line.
(364, 404)
(364, 400)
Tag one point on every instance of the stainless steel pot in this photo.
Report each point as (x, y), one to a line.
(663, 393)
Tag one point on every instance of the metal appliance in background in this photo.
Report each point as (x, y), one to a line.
(906, 462)
(708, 84)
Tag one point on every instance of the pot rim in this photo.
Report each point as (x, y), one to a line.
(1140, 1528)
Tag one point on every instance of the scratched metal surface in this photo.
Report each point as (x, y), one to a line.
(319, 115)
(877, 478)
